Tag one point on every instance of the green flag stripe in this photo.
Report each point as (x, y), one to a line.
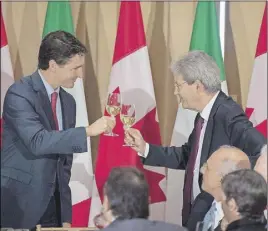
(58, 17)
(205, 35)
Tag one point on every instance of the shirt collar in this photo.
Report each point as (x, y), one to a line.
(206, 111)
(48, 87)
(217, 208)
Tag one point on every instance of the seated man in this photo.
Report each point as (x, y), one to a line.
(126, 203)
(244, 200)
(223, 161)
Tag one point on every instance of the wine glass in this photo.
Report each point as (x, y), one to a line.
(113, 108)
(200, 226)
(127, 116)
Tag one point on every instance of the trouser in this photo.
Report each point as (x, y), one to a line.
(52, 215)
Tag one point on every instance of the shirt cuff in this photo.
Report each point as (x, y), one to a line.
(146, 152)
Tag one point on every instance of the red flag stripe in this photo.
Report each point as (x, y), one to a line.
(262, 42)
(82, 213)
(3, 30)
(130, 34)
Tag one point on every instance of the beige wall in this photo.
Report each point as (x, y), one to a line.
(168, 27)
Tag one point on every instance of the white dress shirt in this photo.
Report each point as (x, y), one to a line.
(213, 216)
(205, 115)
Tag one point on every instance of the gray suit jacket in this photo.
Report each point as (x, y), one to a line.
(33, 153)
(142, 225)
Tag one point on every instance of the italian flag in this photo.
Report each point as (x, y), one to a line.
(131, 76)
(59, 17)
(205, 37)
(7, 77)
(256, 108)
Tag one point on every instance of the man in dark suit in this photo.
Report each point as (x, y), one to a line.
(220, 121)
(39, 137)
(244, 200)
(126, 203)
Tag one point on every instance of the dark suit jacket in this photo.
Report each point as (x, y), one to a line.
(227, 125)
(142, 225)
(247, 225)
(200, 207)
(33, 154)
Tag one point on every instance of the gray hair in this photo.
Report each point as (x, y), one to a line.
(197, 65)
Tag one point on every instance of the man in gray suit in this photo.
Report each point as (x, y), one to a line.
(39, 137)
(126, 203)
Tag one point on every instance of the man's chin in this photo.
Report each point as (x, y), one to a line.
(184, 106)
(69, 86)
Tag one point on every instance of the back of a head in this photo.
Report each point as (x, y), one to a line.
(59, 46)
(261, 164)
(145, 225)
(128, 193)
(248, 189)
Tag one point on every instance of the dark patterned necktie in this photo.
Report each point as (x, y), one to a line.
(187, 192)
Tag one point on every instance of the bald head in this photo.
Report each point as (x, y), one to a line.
(223, 161)
(261, 164)
(228, 159)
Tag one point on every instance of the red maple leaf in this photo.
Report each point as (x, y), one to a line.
(156, 193)
(261, 127)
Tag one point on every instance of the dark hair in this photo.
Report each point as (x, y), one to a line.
(128, 193)
(59, 46)
(249, 190)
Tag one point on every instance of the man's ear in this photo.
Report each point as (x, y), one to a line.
(232, 206)
(52, 65)
(199, 86)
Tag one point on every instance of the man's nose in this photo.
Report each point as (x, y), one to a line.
(202, 170)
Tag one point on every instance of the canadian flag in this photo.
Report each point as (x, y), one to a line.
(257, 99)
(131, 76)
(7, 77)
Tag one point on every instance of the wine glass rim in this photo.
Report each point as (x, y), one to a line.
(127, 104)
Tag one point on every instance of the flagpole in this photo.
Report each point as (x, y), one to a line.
(222, 26)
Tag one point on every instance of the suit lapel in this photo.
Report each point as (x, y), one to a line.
(207, 140)
(39, 87)
(209, 129)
